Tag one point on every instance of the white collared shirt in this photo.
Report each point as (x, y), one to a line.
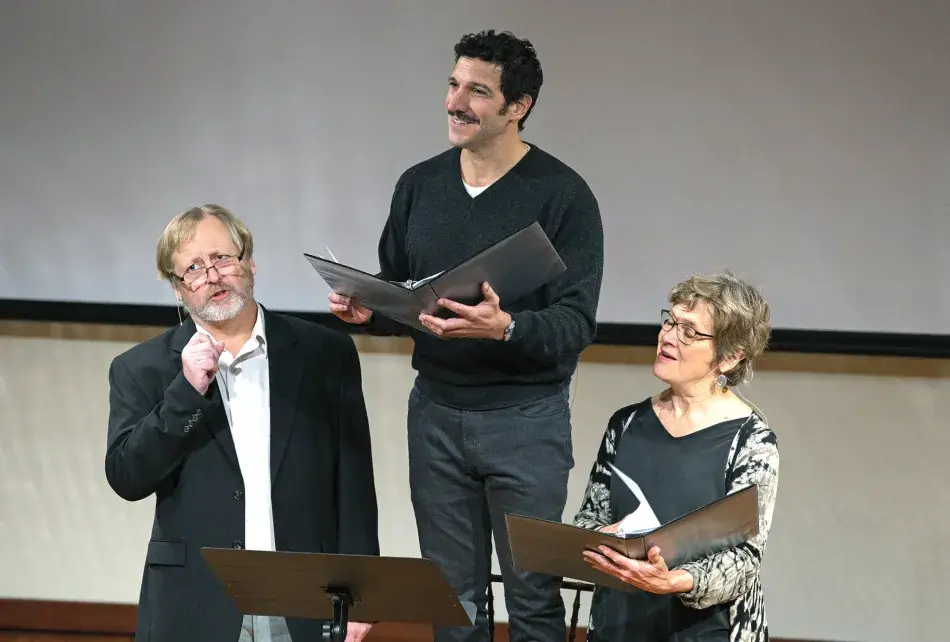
(244, 382)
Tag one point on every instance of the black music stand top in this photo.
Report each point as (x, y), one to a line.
(322, 586)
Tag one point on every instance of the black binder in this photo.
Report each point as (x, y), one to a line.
(514, 267)
(558, 549)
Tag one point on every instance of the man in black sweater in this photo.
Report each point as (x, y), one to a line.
(489, 415)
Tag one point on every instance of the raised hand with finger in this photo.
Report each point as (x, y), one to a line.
(199, 361)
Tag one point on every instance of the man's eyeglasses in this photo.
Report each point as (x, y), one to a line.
(686, 333)
(196, 275)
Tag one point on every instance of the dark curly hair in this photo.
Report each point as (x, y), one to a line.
(520, 69)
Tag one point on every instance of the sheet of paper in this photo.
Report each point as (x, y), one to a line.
(641, 520)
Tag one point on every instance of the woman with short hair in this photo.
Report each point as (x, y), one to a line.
(691, 444)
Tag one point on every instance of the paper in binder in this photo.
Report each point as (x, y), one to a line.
(643, 519)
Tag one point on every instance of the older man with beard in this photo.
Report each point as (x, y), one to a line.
(250, 430)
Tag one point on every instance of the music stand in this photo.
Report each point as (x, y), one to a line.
(322, 586)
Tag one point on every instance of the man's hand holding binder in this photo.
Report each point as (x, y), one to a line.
(349, 310)
(483, 321)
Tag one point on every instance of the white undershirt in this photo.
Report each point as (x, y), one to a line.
(475, 191)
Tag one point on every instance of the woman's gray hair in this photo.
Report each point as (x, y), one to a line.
(741, 317)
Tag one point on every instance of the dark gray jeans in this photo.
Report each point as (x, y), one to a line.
(466, 470)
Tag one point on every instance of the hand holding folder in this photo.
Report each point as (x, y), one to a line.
(557, 549)
(514, 267)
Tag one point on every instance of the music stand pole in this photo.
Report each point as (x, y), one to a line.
(340, 599)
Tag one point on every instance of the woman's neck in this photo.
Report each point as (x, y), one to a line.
(686, 401)
(689, 409)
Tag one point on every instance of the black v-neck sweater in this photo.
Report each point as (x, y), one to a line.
(434, 224)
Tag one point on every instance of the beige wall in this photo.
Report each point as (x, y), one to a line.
(863, 442)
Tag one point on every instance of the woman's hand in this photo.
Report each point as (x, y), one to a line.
(357, 631)
(651, 575)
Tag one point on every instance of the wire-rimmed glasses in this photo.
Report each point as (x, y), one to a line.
(197, 275)
(686, 333)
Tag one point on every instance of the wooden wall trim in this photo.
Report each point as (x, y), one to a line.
(845, 364)
(45, 616)
(77, 620)
(91, 618)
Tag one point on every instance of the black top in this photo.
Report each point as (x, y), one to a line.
(677, 475)
(434, 224)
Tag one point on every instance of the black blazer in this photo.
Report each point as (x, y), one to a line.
(166, 439)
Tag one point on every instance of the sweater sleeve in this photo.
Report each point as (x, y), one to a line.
(569, 325)
(725, 576)
(393, 259)
(595, 511)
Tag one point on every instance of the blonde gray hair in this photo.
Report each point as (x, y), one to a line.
(741, 317)
(181, 228)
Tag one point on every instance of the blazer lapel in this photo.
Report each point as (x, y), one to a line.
(217, 423)
(285, 367)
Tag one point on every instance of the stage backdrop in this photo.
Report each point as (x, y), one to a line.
(803, 144)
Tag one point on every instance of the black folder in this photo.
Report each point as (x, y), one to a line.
(514, 267)
(557, 549)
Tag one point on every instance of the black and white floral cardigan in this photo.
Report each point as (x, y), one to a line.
(731, 576)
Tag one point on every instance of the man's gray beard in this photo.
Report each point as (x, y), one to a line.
(219, 311)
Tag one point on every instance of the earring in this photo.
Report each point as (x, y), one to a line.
(721, 381)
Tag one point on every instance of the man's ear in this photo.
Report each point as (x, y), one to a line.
(252, 267)
(518, 108)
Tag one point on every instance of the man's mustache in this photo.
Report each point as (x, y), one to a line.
(462, 116)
